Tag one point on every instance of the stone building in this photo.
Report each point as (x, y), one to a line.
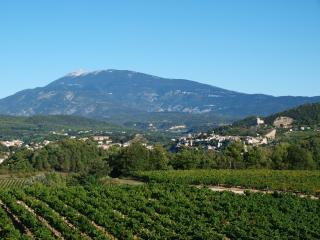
(283, 122)
(259, 121)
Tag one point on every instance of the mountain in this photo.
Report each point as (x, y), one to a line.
(128, 95)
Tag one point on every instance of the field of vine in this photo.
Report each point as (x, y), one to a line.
(154, 211)
(13, 182)
(307, 182)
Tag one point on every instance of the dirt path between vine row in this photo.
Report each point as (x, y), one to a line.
(16, 221)
(55, 232)
(241, 191)
(63, 218)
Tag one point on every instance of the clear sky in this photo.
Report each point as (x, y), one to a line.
(253, 46)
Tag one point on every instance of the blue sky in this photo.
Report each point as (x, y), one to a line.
(253, 46)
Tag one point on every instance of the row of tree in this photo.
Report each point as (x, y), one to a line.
(85, 157)
(304, 154)
(68, 155)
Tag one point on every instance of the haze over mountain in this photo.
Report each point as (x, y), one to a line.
(108, 93)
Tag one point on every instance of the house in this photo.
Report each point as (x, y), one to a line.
(177, 127)
(259, 121)
(100, 138)
(14, 143)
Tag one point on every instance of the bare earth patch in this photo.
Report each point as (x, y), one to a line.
(242, 191)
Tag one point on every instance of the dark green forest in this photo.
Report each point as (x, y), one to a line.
(308, 114)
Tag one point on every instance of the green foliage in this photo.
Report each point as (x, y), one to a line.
(302, 154)
(308, 114)
(258, 157)
(38, 228)
(10, 183)
(86, 158)
(68, 155)
(304, 115)
(137, 157)
(39, 127)
(7, 228)
(300, 158)
(158, 211)
(295, 181)
(234, 154)
(280, 156)
(197, 158)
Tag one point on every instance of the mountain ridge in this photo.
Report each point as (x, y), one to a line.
(106, 93)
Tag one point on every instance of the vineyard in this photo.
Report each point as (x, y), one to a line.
(154, 211)
(307, 182)
(11, 183)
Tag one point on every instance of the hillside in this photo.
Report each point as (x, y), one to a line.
(308, 114)
(29, 127)
(136, 96)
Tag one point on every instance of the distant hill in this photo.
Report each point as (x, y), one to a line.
(127, 96)
(308, 114)
(29, 127)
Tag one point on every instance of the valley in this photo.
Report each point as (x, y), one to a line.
(78, 178)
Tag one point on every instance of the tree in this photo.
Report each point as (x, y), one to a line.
(185, 159)
(99, 169)
(300, 158)
(127, 160)
(315, 148)
(158, 158)
(234, 154)
(257, 157)
(279, 156)
(67, 155)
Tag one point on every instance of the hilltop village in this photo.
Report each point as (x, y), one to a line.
(214, 141)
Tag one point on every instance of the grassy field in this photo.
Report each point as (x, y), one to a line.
(307, 182)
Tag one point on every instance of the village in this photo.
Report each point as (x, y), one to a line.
(213, 141)
(103, 141)
(209, 141)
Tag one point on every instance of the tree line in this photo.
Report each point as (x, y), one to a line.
(72, 155)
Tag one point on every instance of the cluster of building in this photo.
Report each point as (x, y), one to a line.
(177, 128)
(13, 143)
(215, 142)
(35, 146)
(105, 142)
(208, 141)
